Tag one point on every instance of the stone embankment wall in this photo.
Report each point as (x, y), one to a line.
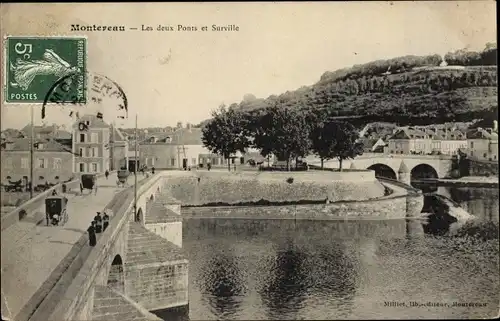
(484, 168)
(397, 205)
(217, 187)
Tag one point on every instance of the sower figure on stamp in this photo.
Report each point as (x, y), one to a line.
(91, 231)
(98, 222)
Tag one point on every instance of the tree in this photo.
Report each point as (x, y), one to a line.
(323, 140)
(346, 145)
(224, 134)
(283, 132)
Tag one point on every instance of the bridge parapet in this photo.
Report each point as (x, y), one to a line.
(76, 302)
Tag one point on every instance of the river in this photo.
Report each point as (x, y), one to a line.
(267, 269)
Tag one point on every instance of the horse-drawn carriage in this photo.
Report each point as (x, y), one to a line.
(55, 210)
(123, 175)
(88, 181)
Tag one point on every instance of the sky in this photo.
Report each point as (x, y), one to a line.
(182, 76)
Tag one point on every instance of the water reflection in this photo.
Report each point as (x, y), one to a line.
(222, 281)
(281, 269)
(284, 284)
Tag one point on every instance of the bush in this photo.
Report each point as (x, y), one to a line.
(289, 180)
(483, 230)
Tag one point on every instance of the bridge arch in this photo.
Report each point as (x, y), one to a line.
(383, 170)
(423, 171)
(116, 277)
(139, 216)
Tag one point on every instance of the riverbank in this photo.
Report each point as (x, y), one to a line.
(399, 203)
(198, 188)
(467, 181)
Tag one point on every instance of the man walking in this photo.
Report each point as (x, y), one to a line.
(106, 173)
(105, 221)
(92, 237)
(98, 222)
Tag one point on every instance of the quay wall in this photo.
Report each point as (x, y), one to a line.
(229, 188)
(397, 205)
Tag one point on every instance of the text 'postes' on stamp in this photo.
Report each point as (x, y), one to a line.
(34, 64)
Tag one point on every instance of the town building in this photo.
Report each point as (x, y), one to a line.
(97, 146)
(52, 161)
(427, 140)
(482, 144)
(408, 140)
(182, 148)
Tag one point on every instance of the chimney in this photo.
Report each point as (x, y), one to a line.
(495, 126)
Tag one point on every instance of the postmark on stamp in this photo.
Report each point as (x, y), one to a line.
(32, 65)
(104, 97)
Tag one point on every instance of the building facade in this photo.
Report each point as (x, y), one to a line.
(52, 161)
(482, 144)
(91, 145)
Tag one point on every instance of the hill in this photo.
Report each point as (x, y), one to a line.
(404, 90)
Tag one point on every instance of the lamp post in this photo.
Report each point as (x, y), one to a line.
(32, 152)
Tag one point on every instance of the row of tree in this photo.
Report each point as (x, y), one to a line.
(287, 133)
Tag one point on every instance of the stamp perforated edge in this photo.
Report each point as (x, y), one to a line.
(4, 64)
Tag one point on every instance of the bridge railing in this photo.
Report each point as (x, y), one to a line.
(73, 298)
(33, 204)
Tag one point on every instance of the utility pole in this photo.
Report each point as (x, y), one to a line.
(32, 151)
(112, 147)
(135, 172)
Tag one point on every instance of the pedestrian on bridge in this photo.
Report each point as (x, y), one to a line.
(106, 173)
(98, 222)
(153, 170)
(92, 237)
(105, 221)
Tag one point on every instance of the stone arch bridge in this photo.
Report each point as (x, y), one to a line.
(137, 265)
(402, 167)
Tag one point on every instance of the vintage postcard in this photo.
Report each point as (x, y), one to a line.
(249, 161)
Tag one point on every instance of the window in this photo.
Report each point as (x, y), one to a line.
(485, 155)
(25, 163)
(41, 163)
(39, 146)
(81, 167)
(95, 167)
(172, 162)
(471, 144)
(94, 138)
(193, 161)
(8, 162)
(57, 163)
(146, 161)
(80, 152)
(94, 152)
(152, 161)
(82, 138)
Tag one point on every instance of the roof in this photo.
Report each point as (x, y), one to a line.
(182, 136)
(94, 121)
(367, 142)
(118, 134)
(481, 133)
(408, 133)
(54, 131)
(23, 144)
(403, 168)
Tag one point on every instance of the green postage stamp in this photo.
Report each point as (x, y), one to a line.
(33, 66)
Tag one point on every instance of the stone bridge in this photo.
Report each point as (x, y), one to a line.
(137, 265)
(401, 167)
